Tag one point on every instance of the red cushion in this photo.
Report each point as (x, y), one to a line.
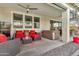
(19, 30)
(3, 38)
(19, 34)
(32, 30)
(76, 39)
(34, 34)
(37, 36)
(26, 30)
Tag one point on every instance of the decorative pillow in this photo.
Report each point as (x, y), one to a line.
(3, 38)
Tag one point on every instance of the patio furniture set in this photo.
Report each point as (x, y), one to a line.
(27, 36)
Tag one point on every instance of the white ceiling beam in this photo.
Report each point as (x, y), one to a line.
(55, 6)
(68, 6)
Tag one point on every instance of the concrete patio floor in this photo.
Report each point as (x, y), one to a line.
(37, 48)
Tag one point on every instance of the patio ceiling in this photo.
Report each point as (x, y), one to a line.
(74, 5)
(43, 9)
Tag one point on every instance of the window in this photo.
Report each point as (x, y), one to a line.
(5, 28)
(36, 22)
(17, 20)
(60, 24)
(28, 21)
(17, 16)
(55, 24)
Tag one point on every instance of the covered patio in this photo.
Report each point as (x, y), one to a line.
(36, 28)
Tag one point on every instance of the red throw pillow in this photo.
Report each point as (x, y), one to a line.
(76, 39)
(3, 38)
(19, 34)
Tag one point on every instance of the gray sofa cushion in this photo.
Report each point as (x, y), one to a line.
(10, 48)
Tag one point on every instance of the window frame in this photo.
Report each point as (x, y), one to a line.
(37, 22)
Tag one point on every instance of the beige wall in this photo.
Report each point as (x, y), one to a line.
(5, 15)
(45, 23)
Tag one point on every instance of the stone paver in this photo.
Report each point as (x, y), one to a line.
(39, 47)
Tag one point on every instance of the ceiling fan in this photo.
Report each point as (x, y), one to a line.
(27, 7)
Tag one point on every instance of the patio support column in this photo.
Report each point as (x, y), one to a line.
(65, 25)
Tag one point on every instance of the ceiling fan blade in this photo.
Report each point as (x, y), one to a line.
(21, 6)
(33, 8)
(27, 7)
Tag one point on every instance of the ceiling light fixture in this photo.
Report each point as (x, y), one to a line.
(27, 10)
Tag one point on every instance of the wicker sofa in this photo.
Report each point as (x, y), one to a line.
(47, 34)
